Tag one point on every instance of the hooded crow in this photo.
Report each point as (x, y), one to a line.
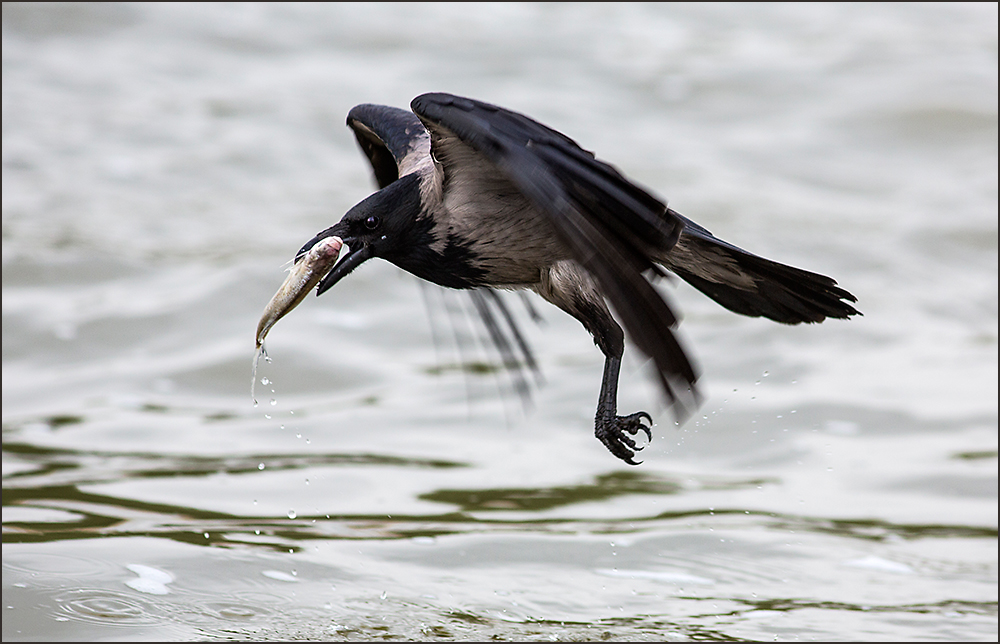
(474, 196)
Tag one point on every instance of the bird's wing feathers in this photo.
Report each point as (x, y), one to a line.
(610, 225)
(596, 188)
(394, 140)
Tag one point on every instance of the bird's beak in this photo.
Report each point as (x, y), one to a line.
(357, 252)
(348, 262)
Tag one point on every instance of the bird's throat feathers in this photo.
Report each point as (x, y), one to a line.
(438, 256)
(426, 247)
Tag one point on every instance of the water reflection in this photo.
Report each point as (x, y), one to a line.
(58, 476)
(604, 487)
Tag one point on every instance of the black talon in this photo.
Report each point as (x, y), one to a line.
(633, 425)
(612, 430)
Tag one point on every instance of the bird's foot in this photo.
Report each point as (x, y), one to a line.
(611, 430)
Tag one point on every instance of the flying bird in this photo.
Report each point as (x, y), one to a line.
(477, 197)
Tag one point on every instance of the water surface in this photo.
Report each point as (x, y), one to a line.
(161, 164)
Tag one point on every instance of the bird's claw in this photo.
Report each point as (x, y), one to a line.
(612, 432)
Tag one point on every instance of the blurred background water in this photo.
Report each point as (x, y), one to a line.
(161, 163)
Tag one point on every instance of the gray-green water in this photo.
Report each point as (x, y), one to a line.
(162, 163)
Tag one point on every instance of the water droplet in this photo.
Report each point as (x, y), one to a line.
(383, 595)
(265, 381)
(291, 514)
(260, 466)
(206, 535)
(273, 402)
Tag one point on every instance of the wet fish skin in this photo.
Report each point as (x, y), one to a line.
(304, 275)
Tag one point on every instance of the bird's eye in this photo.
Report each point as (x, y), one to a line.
(372, 222)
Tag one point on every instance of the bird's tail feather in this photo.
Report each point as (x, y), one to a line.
(752, 285)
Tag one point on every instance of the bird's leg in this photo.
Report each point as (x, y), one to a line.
(572, 289)
(609, 427)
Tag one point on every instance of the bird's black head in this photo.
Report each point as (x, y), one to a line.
(387, 224)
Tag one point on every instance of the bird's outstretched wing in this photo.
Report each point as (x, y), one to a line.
(396, 144)
(394, 140)
(611, 226)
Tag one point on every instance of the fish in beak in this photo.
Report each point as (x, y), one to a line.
(308, 270)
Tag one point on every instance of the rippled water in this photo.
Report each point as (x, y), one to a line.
(162, 163)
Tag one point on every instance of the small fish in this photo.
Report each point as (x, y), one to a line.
(305, 274)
